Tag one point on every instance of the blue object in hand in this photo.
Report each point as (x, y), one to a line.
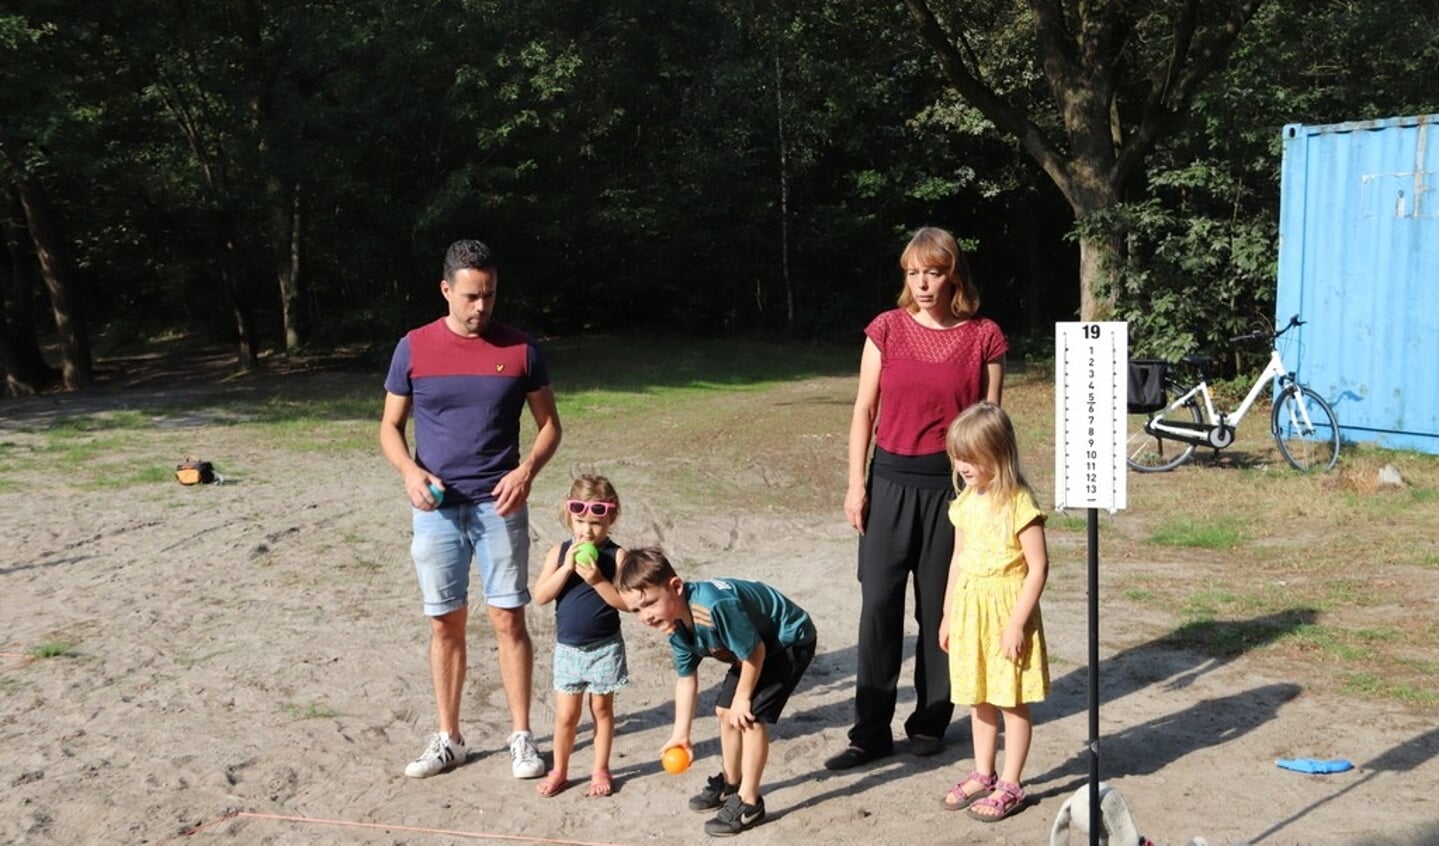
(1314, 766)
(438, 493)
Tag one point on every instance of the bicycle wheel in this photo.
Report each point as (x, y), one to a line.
(1149, 453)
(1306, 446)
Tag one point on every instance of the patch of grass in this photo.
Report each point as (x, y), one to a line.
(10, 685)
(1231, 638)
(663, 383)
(1328, 641)
(71, 452)
(1346, 592)
(106, 462)
(12, 455)
(312, 711)
(310, 409)
(679, 367)
(1218, 533)
(128, 474)
(78, 426)
(1138, 595)
(1067, 523)
(52, 649)
(316, 433)
(1206, 604)
(1372, 686)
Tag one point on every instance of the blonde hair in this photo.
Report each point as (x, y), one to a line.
(983, 435)
(935, 247)
(590, 489)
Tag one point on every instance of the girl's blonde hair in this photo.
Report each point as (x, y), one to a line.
(983, 435)
(590, 489)
(935, 247)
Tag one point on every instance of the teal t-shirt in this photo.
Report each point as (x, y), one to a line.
(732, 617)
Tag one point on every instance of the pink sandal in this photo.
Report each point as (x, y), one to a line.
(601, 783)
(957, 800)
(553, 784)
(1006, 799)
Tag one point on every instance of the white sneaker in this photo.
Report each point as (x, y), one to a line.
(443, 753)
(525, 761)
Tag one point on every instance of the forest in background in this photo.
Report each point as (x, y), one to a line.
(284, 177)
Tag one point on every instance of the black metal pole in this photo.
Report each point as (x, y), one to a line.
(1094, 812)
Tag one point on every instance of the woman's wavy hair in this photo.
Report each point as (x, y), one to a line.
(935, 247)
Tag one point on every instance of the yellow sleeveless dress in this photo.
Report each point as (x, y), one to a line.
(992, 571)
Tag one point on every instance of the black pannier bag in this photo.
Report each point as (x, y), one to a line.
(1146, 385)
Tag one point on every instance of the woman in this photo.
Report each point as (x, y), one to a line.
(923, 363)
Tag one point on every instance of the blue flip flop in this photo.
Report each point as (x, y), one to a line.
(1314, 766)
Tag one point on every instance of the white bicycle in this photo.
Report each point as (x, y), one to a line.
(1164, 435)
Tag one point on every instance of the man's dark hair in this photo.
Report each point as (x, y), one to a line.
(468, 254)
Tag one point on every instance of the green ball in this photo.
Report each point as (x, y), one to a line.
(586, 555)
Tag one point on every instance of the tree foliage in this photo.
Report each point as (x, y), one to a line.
(1204, 237)
(286, 176)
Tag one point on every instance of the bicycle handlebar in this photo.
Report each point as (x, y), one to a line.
(1267, 336)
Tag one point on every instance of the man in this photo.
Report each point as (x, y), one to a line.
(466, 379)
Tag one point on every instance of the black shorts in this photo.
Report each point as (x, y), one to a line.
(778, 678)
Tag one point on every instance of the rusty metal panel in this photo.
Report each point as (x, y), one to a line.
(1359, 260)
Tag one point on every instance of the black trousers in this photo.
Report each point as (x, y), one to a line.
(908, 538)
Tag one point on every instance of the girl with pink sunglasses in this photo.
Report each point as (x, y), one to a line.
(589, 657)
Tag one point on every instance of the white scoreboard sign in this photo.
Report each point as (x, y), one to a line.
(1091, 364)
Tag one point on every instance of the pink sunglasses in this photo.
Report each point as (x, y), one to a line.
(596, 509)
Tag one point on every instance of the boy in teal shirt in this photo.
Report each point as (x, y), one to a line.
(766, 639)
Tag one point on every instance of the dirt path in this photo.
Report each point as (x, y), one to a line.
(249, 659)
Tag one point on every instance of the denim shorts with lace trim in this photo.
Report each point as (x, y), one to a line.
(598, 667)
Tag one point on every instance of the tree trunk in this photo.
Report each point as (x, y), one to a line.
(1093, 189)
(248, 349)
(21, 379)
(282, 195)
(65, 303)
(1097, 257)
(237, 287)
(783, 195)
(287, 242)
(25, 369)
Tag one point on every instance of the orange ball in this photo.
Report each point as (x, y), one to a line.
(676, 760)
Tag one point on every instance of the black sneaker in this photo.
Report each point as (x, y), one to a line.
(853, 757)
(735, 817)
(716, 792)
(923, 746)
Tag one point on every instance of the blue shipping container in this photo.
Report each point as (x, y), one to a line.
(1359, 261)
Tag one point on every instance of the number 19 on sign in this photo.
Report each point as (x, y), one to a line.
(1091, 362)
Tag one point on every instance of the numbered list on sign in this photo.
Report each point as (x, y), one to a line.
(1091, 363)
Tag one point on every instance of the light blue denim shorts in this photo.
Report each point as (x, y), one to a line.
(598, 668)
(448, 539)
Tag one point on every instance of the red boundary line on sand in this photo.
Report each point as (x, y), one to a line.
(473, 835)
(13, 655)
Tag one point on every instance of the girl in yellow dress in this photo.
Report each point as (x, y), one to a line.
(992, 629)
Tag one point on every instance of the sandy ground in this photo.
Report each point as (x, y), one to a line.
(248, 666)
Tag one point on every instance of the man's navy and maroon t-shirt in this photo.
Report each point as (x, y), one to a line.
(467, 395)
